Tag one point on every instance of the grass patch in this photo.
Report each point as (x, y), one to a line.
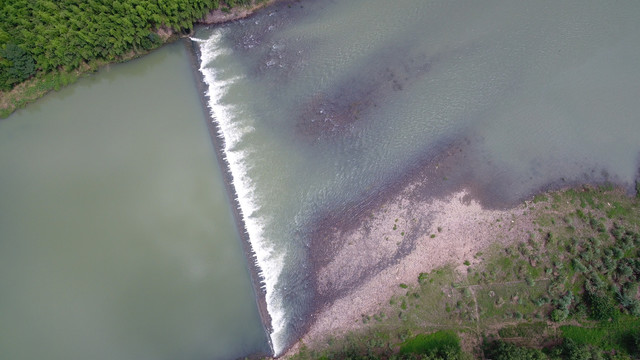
(606, 336)
(540, 198)
(524, 330)
(619, 210)
(498, 303)
(439, 341)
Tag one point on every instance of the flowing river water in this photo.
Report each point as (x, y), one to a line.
(117, 238)
(325, 105)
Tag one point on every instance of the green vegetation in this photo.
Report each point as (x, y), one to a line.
(440, 345)
(569, 290)
(500, 350)
(617, 335)
(52, 42)
(17, 66)
(523, 330)
(438, 342)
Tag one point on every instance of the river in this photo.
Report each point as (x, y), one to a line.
(326, 105)
(117, 238)
(117, 232)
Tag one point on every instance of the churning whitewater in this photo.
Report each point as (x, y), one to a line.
(231, 133)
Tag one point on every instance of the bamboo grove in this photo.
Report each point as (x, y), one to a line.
(44, 35)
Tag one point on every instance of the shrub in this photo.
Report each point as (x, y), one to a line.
(618, 253)
(565, 301)
(635, 346)
(577, 265)
(617, 231)
(587, 256)
(423, 277)
(608, 264)
(573, 351)
(625, 270)
(630, 287)
(517, 315)
(601, 307)
(634, 308)
(558, 315)
(541, 301)
(529, 280)
(466, 292)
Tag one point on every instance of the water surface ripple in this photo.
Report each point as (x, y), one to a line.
(323, 105)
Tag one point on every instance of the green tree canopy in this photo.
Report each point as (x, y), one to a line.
(46, 35)
(17, 65)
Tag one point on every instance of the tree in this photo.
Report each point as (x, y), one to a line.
(18, 66)
(572, 351)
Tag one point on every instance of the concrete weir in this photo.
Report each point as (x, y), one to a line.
(218, 145)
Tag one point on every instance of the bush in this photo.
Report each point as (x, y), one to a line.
(625, 270)
(558, 315)
(635, 345)
(601, 307)
(529, 280)
(618, 253)
(617, 231)
(608, 264)
(577, 265)
(565, 301)
(634, 308)
(541, 301)
(572, 351)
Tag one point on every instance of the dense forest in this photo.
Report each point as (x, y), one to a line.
(41, 36)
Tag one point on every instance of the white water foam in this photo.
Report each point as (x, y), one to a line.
(269, 262)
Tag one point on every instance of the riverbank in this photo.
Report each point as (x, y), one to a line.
(445, 231)
(430, 217)
(42, 83)
(220, 16)
(467, 243)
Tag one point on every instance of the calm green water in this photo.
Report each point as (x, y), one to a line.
(324, 104)
(116, 235)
